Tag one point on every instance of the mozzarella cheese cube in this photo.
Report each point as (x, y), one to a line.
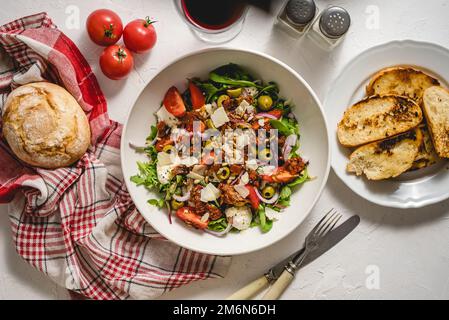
(165, 173)
(219, 117)
(239, 217)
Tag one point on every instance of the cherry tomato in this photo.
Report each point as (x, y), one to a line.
(139, 35)
(187, 214)
(173, 102)
(196, 96)
(104, 27)
(116, 62)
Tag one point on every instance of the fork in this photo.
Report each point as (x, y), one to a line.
(312, 242)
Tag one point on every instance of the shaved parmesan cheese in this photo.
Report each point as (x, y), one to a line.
(194, 176)
(163, 159)
(209, 193)
(219, 117)
(169, 119)
(188, 161)
(244, 179)
(252, 164)
(266, 170)
(242, 190)
(272, 214)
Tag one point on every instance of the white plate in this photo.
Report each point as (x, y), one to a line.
(410, 190)
(314, 145)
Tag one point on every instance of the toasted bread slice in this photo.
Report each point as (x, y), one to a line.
(426, 154)
(407, 82)
(376, 118)
(436, 110)
(387, 158)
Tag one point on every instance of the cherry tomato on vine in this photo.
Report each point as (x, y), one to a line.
(139, 35)
(104, 27)
(116, 62)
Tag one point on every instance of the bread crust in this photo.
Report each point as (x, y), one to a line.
(377, 117)
(45, 126)
(401, 81)
(436, 111)
(387, 158)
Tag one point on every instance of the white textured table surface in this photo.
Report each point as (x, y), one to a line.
(408, 250)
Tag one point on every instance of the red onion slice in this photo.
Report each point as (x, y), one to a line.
(269, 201)
(266, 115)
(238, 177)
(220, 233)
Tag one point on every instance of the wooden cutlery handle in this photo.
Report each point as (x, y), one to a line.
(279, 286)
(250, 290)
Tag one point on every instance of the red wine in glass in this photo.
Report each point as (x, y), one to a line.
(213, 15)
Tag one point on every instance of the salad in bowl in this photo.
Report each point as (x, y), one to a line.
(224, 154)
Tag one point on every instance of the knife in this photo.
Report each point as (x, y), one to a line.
(330, 240)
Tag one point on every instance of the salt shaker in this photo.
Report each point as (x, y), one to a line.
(296, 17)
(329, 29)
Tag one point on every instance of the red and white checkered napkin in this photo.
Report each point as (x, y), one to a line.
(78, 225)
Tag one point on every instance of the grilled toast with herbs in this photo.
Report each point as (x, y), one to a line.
(376, 118)
(387, 158)
(426, 153)
(401, 81)
(436, 110)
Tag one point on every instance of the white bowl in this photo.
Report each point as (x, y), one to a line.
(314, 146)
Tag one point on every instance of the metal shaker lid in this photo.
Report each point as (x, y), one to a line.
(300, 12)
(334, 22)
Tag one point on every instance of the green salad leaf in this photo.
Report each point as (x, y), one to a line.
(209, 89)
(218, 225)
(301, 179)
(160, 203)
(285, 126)
(232, 74)
(265, 224)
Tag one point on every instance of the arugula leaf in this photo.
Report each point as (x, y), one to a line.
(147, 175)
(151, 152)
(301, 179)
(271, 89)
(218, 225)
(209, 89)
(153, 133)
(232, 74)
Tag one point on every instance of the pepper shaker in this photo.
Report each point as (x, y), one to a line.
(330, 28)
(296, 17)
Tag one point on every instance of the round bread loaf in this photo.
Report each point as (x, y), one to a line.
(45, 126)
